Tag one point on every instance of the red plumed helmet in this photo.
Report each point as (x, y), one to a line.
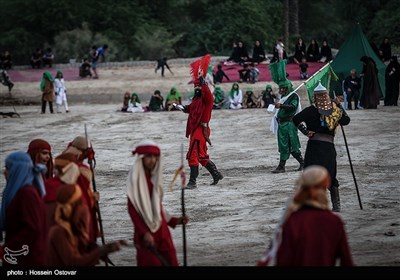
(200, 66)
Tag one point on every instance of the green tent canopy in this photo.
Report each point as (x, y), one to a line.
(349, 56)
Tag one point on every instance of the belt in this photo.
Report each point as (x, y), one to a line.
(282, 120)
(323, 137)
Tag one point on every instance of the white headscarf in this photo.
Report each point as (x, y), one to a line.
(148, 206)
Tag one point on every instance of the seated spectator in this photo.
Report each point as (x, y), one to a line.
(84, 69)
(244, 74)
(5, 80)
(258, 53)
(250, 100)
(234, 57)
(254, 73)
(352, 86)
(385, 50)
(36, 59)
(268, 96)
(219, 75)
(48, 58)
(220, 102)
(279, 52)
(299, 51)
(326, 52)
(156, 102)
(6, 61)
(235, 97)
(313, 54)
(174, 96)
(242, 53)
(134, 105)
(125, 104)
(303, 69)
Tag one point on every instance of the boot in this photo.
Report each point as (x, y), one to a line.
(43, 106)
(334, 190)
(281, 167)
(300, 159)
(194, 172)
(212, 168)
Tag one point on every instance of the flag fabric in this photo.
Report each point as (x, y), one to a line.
(325, 74)
(278, 71)
(183, 178)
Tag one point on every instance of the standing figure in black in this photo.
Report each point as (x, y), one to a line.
(321, 120)
(161, 63)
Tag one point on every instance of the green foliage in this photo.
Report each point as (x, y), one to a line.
(140, 29)
(76, 44)
(386, 23)
(155, 42)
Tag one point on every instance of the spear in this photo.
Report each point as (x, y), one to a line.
(351, 164)
(91, 165)
(183, 209)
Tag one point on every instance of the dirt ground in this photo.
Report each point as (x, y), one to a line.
(231, 223)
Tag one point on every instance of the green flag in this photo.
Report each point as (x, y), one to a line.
(325, 74)
(278, 71)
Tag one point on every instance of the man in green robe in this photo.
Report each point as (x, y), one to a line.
(288, 140)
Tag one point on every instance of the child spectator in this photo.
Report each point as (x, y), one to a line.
(220, 102)
(36, 59)
(219, 75)
(249, 99)
(48, 58)
(268, 96)
(254, 73)
(125, 104)
(303, 69)
(244, 74)
(84, 69)
(134, 105)
(156, 102)
(5, 80)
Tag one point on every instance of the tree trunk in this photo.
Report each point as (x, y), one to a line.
(294, 18)
(286, 19)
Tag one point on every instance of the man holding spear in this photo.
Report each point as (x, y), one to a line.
(152, 238)
(321, 120)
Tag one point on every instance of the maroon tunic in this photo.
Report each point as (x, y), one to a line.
(26, 225)
(313, 237)
(52, 186)
(162, 237)
(63, 253)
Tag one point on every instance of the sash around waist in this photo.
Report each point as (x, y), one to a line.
(323, 137)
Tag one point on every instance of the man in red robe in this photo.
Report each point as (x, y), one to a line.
(198, 129)
(68, 237)
(23, 214)
(152, 238)
(81, 149)
(311, 234)
(40, 152)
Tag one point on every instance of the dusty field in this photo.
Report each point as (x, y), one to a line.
(231, 223)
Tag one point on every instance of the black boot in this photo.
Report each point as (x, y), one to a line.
(300, 159)
(281, 167)
(335, 199)
(43, 106)
(212, 168)
(194, 172)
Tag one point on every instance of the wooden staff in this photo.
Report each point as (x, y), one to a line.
(183, 210)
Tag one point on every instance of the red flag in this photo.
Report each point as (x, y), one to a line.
(200, 66)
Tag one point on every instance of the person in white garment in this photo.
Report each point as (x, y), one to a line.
(235, 97)
(61, 92)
